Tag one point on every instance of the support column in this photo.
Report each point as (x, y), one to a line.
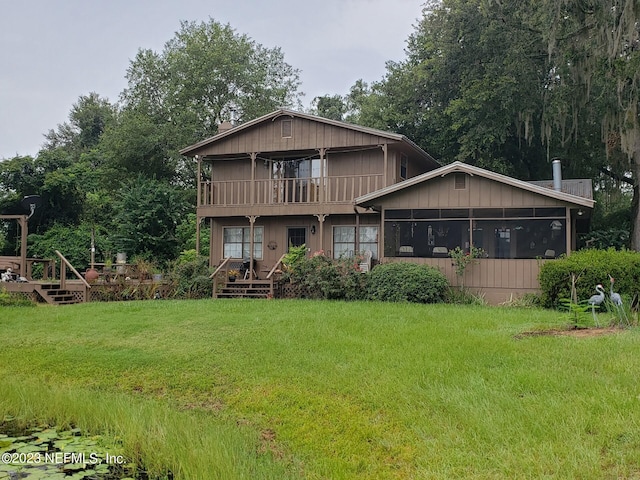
(385, 162)
(198, 183)
(24, 232)
(252, 221)
(252, 197)
(569, 232)
(211, 242)
(321, 217)
(323, 173)
(197, 234)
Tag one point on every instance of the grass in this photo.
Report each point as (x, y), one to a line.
(303, 389)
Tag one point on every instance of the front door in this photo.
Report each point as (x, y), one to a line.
(296, 236)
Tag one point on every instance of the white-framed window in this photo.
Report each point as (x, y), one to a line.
(369, 239)
(237, 242)
(344, 240)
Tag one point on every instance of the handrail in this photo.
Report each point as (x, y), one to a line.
(220, 267)
(63, 272)
(279, 262)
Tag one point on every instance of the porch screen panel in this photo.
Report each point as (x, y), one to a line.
(524, 238)
(501, 232)
(424, 238)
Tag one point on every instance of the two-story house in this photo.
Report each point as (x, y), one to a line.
(290, 178)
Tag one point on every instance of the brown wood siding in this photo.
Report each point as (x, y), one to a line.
(366, 162)
(239, 169)
(306, 134)
(479, 193)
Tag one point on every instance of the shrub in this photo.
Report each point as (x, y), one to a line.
(14, 300)
(321, 277)
(190, 277)
(407, 282)
(590, 268)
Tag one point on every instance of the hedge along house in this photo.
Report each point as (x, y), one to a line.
(289, 178)
(517, 224)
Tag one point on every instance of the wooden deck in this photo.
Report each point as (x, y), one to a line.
(49, 291)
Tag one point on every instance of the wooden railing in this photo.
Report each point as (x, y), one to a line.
(275, 267)
(64, 263)
(288, 190)
(221, 267)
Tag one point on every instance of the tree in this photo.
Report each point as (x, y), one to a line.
(205, 75)
(147, 213)
(595, 50)
(88, 119)
(332, 107)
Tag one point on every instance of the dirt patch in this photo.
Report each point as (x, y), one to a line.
(573, 332)
(268, 443)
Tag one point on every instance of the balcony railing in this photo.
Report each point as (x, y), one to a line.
(288, 190)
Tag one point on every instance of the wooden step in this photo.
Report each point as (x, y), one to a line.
(246, 289)
(53, 294)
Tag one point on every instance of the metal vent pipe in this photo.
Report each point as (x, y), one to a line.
(557, 174)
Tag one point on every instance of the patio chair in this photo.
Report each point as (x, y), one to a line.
(365, 264)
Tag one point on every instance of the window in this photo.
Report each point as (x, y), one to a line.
(296, 236)
(403, 166)
(299, 179)
(287, 128)
(369, 240)
(344, 241)
(237, 244)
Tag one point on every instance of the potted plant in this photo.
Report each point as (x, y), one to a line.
(233, 274)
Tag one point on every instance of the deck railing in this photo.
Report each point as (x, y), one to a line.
(64, 263)
(279, 191)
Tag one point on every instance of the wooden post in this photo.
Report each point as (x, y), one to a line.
(252, 196)
(321, 217)
(252, 221)
(385, 174)
(197, 234)
(24, 231)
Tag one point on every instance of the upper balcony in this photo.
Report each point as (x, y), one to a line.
(285, 195)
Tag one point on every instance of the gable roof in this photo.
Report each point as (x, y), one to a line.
(459, 167)
(192, 149)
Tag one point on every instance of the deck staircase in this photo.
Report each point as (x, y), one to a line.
(246, 289)
(54, 294)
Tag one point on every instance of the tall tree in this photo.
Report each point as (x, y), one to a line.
(206, 74)
(147, 215)
(329, 106)
(88, 119)
(595, 49)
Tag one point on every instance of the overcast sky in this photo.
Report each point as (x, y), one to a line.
(54, 51)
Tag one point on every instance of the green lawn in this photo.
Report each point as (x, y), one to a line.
(330, 390)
